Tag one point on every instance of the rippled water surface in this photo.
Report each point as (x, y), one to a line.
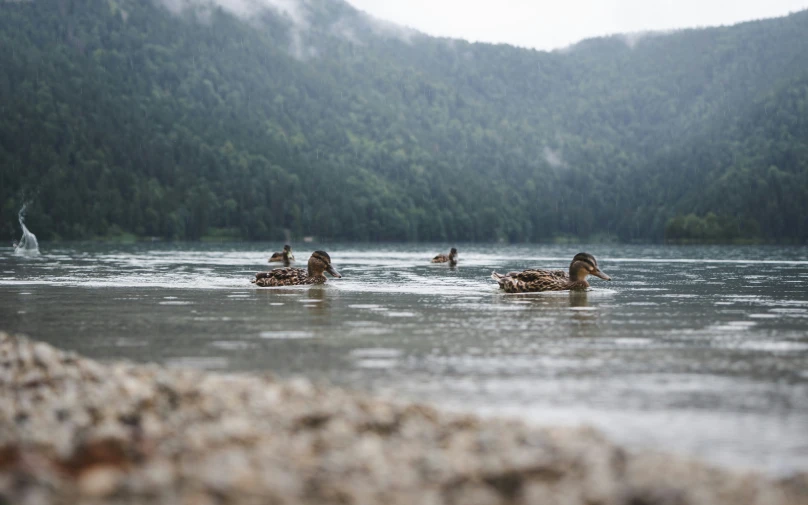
(697, 350)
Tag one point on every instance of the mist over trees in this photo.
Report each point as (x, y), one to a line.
(125, 116)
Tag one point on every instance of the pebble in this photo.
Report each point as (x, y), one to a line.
(76, 431)
(98, 482)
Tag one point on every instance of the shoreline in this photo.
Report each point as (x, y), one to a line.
(76, 431)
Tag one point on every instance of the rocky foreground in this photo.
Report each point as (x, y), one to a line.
(74, 431)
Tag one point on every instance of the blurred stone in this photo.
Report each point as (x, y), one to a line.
(99, 481)
(74, 431)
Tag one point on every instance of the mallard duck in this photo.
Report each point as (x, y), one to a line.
(583, 264)
(286, 256)
(319, 262)
(443, 258)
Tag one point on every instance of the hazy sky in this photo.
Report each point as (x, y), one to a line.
(550, 24)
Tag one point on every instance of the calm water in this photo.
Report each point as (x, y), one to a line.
(697, 350)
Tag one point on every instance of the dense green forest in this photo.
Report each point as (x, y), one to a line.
(123, 116)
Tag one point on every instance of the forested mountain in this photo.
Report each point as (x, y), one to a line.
(179, 119)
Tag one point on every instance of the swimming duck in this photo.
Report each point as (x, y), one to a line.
(443, 258)
(583, 264)
(319, 262)
(286, 256)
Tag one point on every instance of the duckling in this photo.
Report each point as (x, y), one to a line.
(286, 256)
(319, 262)
(583, 264)
(443, 258)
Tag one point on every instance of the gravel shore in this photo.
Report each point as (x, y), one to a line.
(75, 431)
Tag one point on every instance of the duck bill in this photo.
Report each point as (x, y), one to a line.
(333, 272)
(598, 273)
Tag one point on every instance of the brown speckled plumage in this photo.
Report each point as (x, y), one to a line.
(286, 257)
(451, 258)
(535, 280)
(319, 262)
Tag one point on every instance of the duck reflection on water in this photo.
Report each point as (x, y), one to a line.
(554, 307)
(318, 300)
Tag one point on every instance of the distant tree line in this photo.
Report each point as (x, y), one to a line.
(119, 117)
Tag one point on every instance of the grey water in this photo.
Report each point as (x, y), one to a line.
(701, 351)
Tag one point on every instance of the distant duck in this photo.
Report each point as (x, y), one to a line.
(319, 262)
(286, 256)
(451, 258)
(583, 264)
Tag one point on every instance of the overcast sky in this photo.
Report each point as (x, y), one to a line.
(551, 24)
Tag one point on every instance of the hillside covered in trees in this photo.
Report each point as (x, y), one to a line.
(143, 117)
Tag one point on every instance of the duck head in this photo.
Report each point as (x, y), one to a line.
(320, 262)
(453, 254)
(584, 264)
(287, 252)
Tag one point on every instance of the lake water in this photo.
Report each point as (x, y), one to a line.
(695, 350)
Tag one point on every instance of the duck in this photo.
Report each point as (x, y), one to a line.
(535, 280)
(443, 258)
(286, 256)
(319, 262)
